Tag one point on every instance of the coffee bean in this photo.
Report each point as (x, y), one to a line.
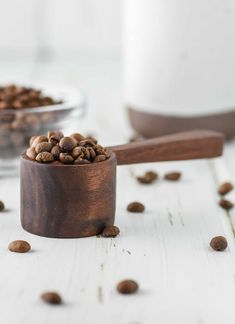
(225, 188)
(45, 157)
(66, 158)
(77, 137)
(39, 139)
(92, 153)
(226, 204)
(127, 287)
(77, 151)
(2, 206)
(31, 154)
(100, 158)
(19, 246)
(87, 142)
(110, 231)
(219, 243)
(51, 298)
(67, 144)
(32, 140)
(172, 176)
(148, 177)
(136, 207)
(55, 151)
(59, 134)
(43, 147)
(83, 161)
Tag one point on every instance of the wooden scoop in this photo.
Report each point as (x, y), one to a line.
(67, 201)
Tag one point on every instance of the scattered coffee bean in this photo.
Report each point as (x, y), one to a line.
(135, 207)
(19, 246)
(43, 147)
(219, 243)
(45, 157)
(67, 144)
(226, 204)
(148, 177)
(51, 298)
(31, 154)
(225, 188)
(110, 231)
(172, 176)
(127, 287)
(2, 206)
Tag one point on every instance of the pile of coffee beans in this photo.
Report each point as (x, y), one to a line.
(73, 149)
(18, 123)
(17, 97)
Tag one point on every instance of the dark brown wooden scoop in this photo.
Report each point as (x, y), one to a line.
(196, 144)
(67, 201)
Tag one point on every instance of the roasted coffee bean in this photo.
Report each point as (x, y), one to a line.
(67, 144)
(136, 207)
(2, 206)
(219, 243)
(92, 153)
(148, 177)
(39, 139)
(19, 246)
(99, 149)
(32, 140)
(172, 176)
(99, 158)
(225, 188)
(56, 133)
(87, 142)
(83, 161)
(77, 137)
(51, 298)
(45, 157)
(55, 151)
(94, 140)
(31, 154)
(43, 147)
(77, 151)
(127, 287)
(226, 204)
(110, 231)
(66, 158)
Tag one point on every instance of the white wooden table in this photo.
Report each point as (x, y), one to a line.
(166, 249)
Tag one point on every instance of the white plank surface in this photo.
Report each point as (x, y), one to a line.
(166, 249)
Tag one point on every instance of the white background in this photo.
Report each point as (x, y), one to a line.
(73, 27)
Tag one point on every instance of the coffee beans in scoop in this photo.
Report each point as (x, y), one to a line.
(74, 149)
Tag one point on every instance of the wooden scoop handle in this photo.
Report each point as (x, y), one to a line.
(195, 144)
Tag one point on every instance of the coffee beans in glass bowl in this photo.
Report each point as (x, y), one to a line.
(27, 111)
(74, 149)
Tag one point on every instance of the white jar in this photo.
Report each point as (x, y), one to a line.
(179, 63)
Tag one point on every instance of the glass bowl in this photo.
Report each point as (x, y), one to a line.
(17, 126)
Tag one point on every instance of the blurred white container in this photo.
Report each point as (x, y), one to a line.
(179, 65)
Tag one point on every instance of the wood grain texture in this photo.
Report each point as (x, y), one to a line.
(60, 200)
(182, 146)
